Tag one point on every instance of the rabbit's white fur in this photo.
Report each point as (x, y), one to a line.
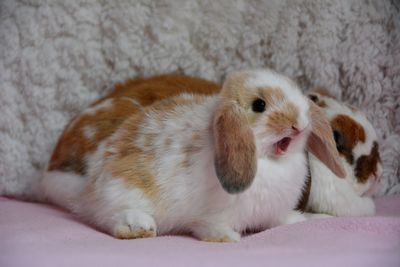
(191, 198)
(349, 196)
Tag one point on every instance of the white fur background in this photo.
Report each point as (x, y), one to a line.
(58, 56)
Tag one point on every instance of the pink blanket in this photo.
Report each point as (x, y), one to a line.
(39, 235)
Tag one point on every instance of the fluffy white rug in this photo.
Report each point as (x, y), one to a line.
(58, 56)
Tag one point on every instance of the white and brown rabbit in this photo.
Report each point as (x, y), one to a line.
(212, 165)
(356, 142)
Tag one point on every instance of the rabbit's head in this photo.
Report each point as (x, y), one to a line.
(263, 114)
(356, 142)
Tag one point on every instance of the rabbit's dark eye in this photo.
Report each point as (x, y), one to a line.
(338, 138)
(313, 98)
(258, 105)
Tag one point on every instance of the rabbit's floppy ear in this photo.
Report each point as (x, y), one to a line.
(321, 142)
(235, 157)
(235, 152)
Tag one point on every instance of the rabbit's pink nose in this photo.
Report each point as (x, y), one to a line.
(296, 130)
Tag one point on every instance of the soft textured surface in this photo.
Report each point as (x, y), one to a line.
(38, 235)
(58, 56)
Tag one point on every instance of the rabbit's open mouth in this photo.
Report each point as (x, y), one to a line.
(281, 146)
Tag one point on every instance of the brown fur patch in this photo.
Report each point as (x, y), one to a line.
(132, 163)
(170, 104)
(126, 161)
(72, 147)
(271, 96)
(367, 165)
(352, 133)
(136, 171)
(234, 84)
(281, 121)
(149, 90)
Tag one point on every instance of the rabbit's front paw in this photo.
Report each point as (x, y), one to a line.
(134, 224)
(215, 233)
